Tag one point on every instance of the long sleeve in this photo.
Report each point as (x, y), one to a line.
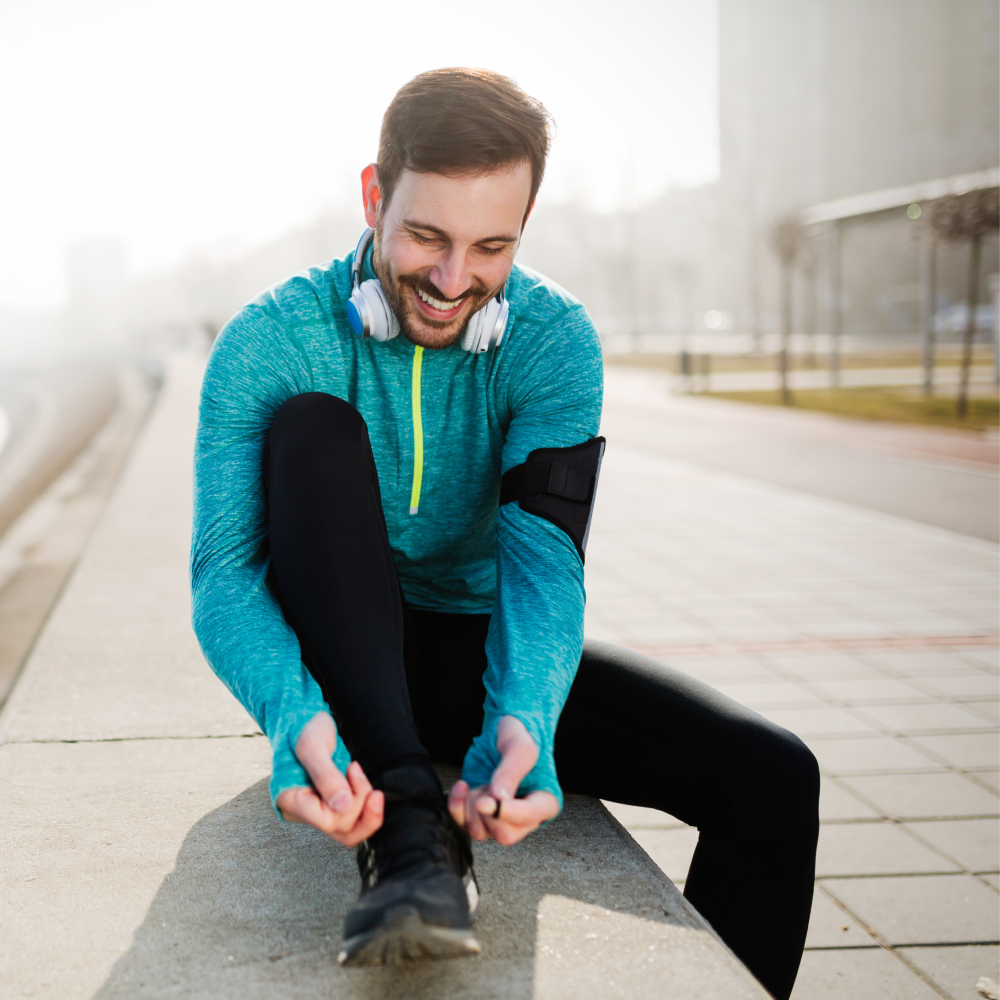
(535, 637)
(254, 368)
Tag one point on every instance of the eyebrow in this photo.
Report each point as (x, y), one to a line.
(414, 224)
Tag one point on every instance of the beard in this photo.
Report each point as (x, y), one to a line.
(413, 324)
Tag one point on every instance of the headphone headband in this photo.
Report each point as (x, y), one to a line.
(359, 256)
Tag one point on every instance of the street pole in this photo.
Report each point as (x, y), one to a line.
(927, 297)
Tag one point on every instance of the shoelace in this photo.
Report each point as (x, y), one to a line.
(417, 832)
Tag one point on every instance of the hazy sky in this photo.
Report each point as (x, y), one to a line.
(222, 123)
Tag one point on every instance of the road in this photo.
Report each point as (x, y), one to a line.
(939, 477)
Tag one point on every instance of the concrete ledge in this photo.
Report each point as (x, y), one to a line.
(56, 412)
(142, 857)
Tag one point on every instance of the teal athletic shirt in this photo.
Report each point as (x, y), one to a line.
(444, 425)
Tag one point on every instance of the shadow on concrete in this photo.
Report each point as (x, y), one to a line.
(254, 908)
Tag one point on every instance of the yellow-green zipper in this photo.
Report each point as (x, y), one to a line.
(418, 432)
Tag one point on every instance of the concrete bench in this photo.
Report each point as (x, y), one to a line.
(142, 857)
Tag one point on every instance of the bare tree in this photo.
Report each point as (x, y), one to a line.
(809, 261)
(786, 242)
(969, 217)
(684, 276)
(927, 249)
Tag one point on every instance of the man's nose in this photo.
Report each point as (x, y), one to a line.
(450, 275)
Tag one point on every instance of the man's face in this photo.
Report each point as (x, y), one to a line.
(444, 245)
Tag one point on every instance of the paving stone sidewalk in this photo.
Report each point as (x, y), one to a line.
(140, 856)
(126, 765)
(873, 638)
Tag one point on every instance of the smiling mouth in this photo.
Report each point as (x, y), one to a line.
(441, 309)
(440, 304)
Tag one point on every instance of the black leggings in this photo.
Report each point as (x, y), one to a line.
(406, 686)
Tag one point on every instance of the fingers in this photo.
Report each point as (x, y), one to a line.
(473, 817)
(369, 821)
(314, 748)
(343, 806)
(476, 809)
(518, 817)
(303, 805)
(456, 802)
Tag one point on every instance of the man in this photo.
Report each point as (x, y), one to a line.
(387, 566)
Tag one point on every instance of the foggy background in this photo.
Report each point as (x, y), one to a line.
(167, 162)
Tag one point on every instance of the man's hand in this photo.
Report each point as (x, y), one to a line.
(344, 808)
(475, 809)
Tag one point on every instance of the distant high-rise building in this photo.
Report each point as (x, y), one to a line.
(824, 99)
(820, 99)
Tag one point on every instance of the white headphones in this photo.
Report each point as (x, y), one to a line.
(370, 314)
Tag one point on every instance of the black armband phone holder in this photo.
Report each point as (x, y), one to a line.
(558, 484)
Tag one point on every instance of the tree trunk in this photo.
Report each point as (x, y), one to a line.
(786, 330)
(812, 306)
(962, 404)
(927, 309)
(836, 301)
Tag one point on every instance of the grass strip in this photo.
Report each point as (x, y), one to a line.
(877, 403)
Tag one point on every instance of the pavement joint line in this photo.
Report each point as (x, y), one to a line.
(919, 944)
(906, 819)
(900, 734)
(902, 824)
(859, 875)
(138, 739)
(889, 771)
(946, 766)
(864, 800)
(882, 736)
(883, 942)
(860, 643)
(925, 700)
(933, 754)
(875, 724)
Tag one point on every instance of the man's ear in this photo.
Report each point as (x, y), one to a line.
(371, 193)
(524, 221)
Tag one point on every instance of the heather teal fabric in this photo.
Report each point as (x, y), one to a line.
(481, 415)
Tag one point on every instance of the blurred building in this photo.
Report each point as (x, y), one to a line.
(824, 99)
(818, 100)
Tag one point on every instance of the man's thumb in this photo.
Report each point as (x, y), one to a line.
(519, 757)
(333, 787)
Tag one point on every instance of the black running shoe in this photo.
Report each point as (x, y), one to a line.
(418, 891)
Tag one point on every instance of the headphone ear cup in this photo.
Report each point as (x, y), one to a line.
(486, 327)
(470, 336)
(383, 324)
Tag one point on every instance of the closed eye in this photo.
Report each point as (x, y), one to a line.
(424, 240)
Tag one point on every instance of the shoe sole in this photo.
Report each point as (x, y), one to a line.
(403, 936)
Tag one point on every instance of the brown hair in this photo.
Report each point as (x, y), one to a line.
(453, 121)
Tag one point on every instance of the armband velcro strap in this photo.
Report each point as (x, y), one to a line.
(559, 485)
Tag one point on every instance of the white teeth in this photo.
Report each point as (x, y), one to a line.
(437, 303)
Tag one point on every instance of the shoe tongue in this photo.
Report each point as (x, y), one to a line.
(410, 783)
